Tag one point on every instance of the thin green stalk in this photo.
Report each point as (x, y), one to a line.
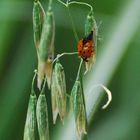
(82, 3)
(62, 3)
(33, 81)
(43, 88)
(75, 2)
(79, 70)
(60, 55)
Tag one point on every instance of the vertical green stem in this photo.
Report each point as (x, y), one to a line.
(43, 88)
(32, 89)
(79, 70)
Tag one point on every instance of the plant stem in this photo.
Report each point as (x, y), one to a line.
(43, 88)
(75, 2)
(60, 55)
(62, 3)
(79, 70)
(32, 89)
(81, 3)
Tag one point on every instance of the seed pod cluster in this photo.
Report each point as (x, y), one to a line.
(44, 33)
(58, 92)
(30, 124)
(42, 117)
(78, 107)
(90, 25)
(46, 49)
(37, 115)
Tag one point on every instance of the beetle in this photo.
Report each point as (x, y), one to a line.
(86, 47)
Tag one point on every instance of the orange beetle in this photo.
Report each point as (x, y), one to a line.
(86, 47)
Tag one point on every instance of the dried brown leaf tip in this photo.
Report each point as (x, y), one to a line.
(78, 107)
(58, 92)
(44, 70)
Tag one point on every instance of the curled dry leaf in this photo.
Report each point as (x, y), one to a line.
(109, 95)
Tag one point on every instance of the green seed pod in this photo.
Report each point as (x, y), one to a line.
(91, 25)
(47, 37)
(58, 92)
(54, 98)
(42, 118)
(78, 107)
(46, 49)
(30, 125)
(38, 19)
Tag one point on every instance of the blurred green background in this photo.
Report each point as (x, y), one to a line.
(121, 120)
